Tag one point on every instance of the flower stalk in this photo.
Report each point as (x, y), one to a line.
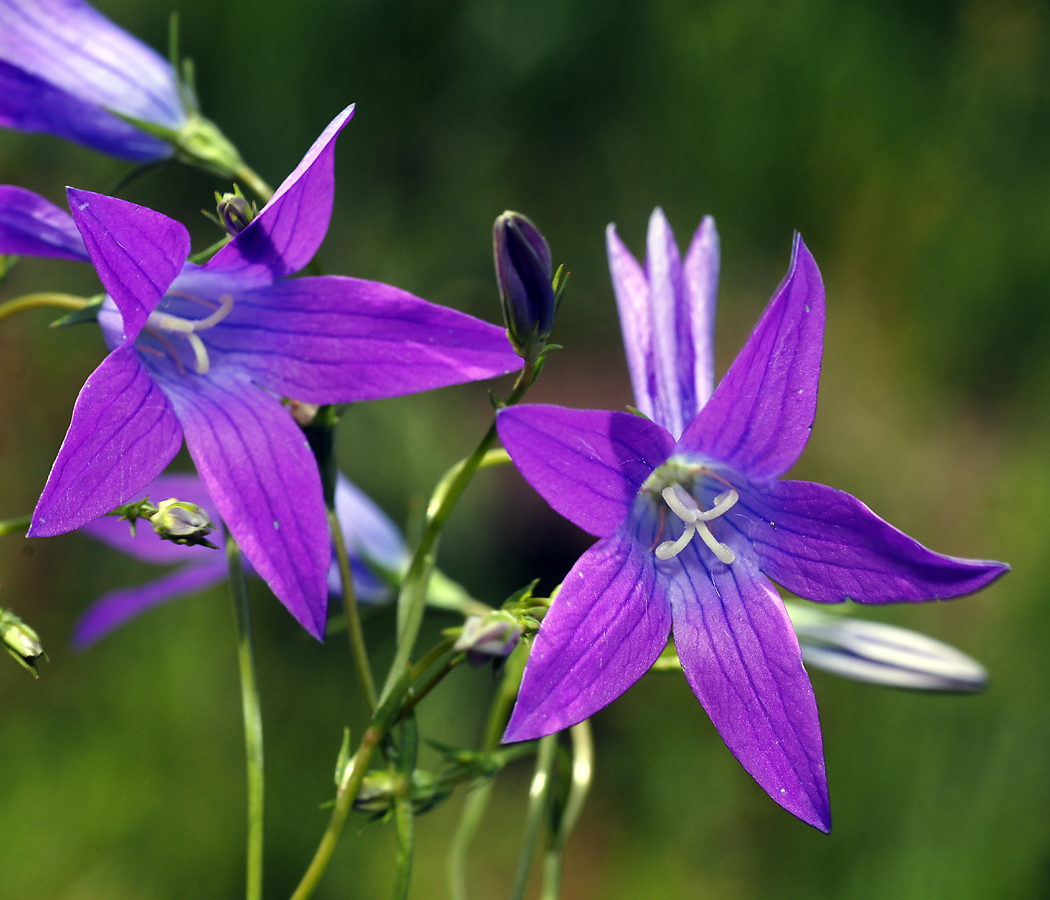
(253, 734)
(539, 791)
(411, 601)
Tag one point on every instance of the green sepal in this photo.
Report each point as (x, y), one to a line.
(81, 316)
(7, 263)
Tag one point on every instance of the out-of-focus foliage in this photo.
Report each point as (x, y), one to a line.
(908, 142)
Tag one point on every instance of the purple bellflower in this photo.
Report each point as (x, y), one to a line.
(694, 521)
(204, 352)
(370, 538)
(67, 70)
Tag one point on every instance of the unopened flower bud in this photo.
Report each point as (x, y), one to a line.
(378, 792)
(235, 212)
(523, 274)
(21, 641)
(182, 523)
(493, 635)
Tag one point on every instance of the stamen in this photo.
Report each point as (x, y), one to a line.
(160, 322)
(200, 354)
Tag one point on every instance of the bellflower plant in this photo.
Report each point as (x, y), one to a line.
(369, 535)
(67, 70)
(694, 522)
(204, 352)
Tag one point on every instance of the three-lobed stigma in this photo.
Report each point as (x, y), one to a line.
(682, 504)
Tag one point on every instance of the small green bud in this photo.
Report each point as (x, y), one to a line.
(182, 523)
(378, 792)
(234, 211)
(21, 641)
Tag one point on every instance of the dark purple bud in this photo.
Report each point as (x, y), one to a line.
(235, 212)
(523, 273)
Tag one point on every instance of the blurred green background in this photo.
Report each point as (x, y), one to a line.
(907, 141)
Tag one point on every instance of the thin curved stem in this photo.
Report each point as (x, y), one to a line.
(478, 799)
(253, 734)
(13, 526)
(537, 809)
(411, 601)
(344, 801)
(41, 301)
(579, 787)
(248, 175)
(353, 618)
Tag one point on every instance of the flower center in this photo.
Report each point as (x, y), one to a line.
(682, 504)
(188, 328)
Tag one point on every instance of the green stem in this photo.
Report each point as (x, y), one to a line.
(582, 775)
(536, 812)
(353, 618)
(344, 801)
(261, 189)
(41, 301)
(473, 811)
(13, 526)
(253, 736)
(403, 814)
(411, 601)
(414, 695)
(478, 798)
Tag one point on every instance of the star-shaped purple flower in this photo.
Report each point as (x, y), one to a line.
(693, 521)
(66, 69)
(371, 538)
(205, 353)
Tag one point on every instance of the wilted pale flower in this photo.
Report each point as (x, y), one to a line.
(694, 521)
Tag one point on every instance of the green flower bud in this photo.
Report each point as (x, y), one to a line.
(182, 523)
(21, 641)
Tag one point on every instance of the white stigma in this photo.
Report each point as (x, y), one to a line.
(685, 507)
(188, 328)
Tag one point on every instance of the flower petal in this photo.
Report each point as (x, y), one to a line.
(636, 319)
(672, 351)
(667, 315)
(287, 232)
(33, 226)
(122, 436)
(826, 545)
(337, 340)
(760, 415)
(605, 629)
(70, 45)
(136, 251)
(256, 464)
(700, 284)
(587, 464)
(115, 608)
(146, 545)
(742, 660)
